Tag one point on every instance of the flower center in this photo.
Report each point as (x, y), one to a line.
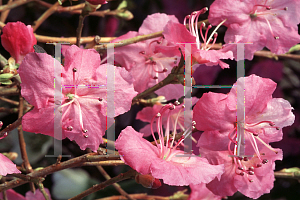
(262, 10)
(155, 61)
(244, 165)
(208, 42)
(167, 148)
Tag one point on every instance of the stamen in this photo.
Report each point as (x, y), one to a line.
(258, 165)
(251, 172)
(69, 128)
(251, 168)
(267, 145)
(74, 69)
(215, 31)
(275, 37)
(245, 159)
(265, 161)
(85, 135)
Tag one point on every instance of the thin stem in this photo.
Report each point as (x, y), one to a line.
(72, 40)
(79, 29)
(123, 176)
(107, 177)
(9, 101)
(75, 162)
(104, 163)
(5, 13)
(23, 144)
(13, 5)
(42, 189)
(45, 15)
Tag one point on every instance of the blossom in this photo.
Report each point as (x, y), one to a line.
(260, 22)
(97, 2)
(216, 115)
(7, 166)
(147, 63)
(175, 116)
(161, 161)
(84, 95)
(200, 192)
(178, 34)
(18, 39)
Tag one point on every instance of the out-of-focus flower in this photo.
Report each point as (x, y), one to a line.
(97, 2)
(261, 22)
(18, 39)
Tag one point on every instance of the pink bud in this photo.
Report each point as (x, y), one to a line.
(18, 39)
(148, 181)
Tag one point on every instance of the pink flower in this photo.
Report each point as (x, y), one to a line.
(161, 161)
(7, 166)
(18, 39)
(84, 100)
(178, 34)
(200, 192)
(147, 63)
(262, 22)
(216, 115)
(175, 116)
(97, 2)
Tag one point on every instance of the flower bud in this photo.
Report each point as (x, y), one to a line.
(18, 39)
(148, 181)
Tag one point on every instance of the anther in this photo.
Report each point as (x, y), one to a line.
(85, 135)
(183, 106)
(251, 172)
(268, 8)
(286, 8)
(277, 128)
(246, 159)
(251, 168)
(258, 165)
(158, 115)
(242, 173)
(276, 38)
(69, 128)
(74, 69)
(100, 99)
(250, 180)
(240, 158)
(165, 70)
(176, 103)
(172, 107)
(240, 168)
(142, 52)
(193, 123)
(255, 134)
(265, 161)
(155, 77)
(84, 130)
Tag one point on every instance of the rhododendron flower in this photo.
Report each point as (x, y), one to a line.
(200, 192)
(178, 34)
(18, 39)
(262, 22)
(215, 114)
(176, 115)
(84, 95)
(7, 166)
(164, 161)
(145, 61)
(96, 2)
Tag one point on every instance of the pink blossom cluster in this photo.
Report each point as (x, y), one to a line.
(220, 170)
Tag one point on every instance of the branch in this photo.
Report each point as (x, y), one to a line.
(45, 15)
(13, 5)
(71, 40)
(75, 162)
(123, 176)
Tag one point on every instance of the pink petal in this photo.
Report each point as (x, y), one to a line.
(7, 166)
(37, 195)
(37, 76)
(185, 170)
(12, 195)
(211, 113)
(156, 22)
(138, 156)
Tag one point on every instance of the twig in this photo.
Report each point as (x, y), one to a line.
(80, 26)
(3, 61)
(293, 175)
(14, 4)
(23, 144)
(75, 162)
(45, 15)
(4, 14)
(71, 40)
(10, 127)
(131, 40)
(9, 110)
(104, 163)
(123, 176)
(42, 189)
(9, 101)
(107, 177)
(8, 91)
